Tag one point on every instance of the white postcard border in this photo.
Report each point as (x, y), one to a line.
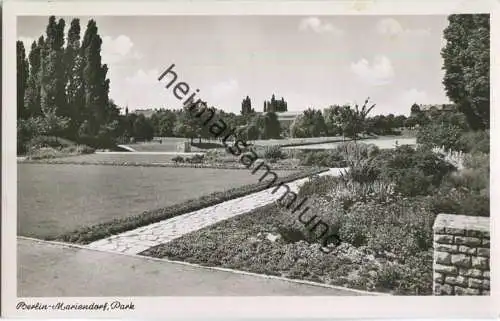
(248, 307)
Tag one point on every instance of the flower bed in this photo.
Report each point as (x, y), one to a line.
(275, 166)
(257, 242)
(384, 224)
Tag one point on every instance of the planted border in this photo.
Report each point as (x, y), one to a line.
(99, 231)
(166, 164)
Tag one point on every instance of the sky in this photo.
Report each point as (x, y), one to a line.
(311, 61)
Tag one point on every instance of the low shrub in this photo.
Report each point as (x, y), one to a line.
(43, 153)
(77, 150)
(363, 172)
(402, 227)
(467, 190)
(475, 141)
(240, 243)
(413, 172)
(355, 151)
(48, 153)
(460, 202)
(49, 141)
(273, 153)
(321, 185)
(195, 159)
(452, 137)
(413, 278)
(453, 157)
(178, 159)
(437, 135)
(326, 158)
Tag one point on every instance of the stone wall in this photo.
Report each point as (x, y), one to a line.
(461, 255)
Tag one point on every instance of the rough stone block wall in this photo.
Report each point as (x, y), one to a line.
(461, 255)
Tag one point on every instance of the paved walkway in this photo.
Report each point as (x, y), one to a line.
(130, 149)
(45, 269)
(152, 153)
(140, 239)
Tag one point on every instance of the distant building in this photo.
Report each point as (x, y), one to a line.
(286, 118)
(428, 109)
(146, 112)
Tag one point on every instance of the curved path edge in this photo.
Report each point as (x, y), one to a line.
(341, 290)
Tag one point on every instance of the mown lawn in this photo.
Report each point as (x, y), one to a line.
(118, 158)
(382, 142)
(168, 144)
(55, 199)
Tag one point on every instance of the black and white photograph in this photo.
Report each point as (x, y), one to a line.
(267, 154)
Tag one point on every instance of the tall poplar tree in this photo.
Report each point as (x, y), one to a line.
(22, 79)
(32, 92)
(53, 93)
(75, 89)
(96, 84)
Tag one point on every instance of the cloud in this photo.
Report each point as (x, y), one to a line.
(391, 28)
(144, 78)
(413, 95)
(117, 49)
(318, 26)
(379, 73)
(143, 90)
(224, 88)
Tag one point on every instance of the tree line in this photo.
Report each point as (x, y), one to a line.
(182, 123)
(63, 91)
(333, 121)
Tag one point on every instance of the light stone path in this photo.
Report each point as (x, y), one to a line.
(143, 238)
(152, 153)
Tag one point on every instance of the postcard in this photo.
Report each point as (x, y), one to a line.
(248, 159)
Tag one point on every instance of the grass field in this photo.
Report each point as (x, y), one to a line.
(53, 199)
(381, 142)
(118, 158)
(295, 141)
(168, 144)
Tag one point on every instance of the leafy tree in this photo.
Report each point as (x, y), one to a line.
(251, 132)
(22, 79)
(186, 125)
(415, 109)
(359, 117)
(411, 122)
(399, 121)
(466, 58)
(333, 120)
(142, 128)
(271, 126)
(309, 124)
(164, 123)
